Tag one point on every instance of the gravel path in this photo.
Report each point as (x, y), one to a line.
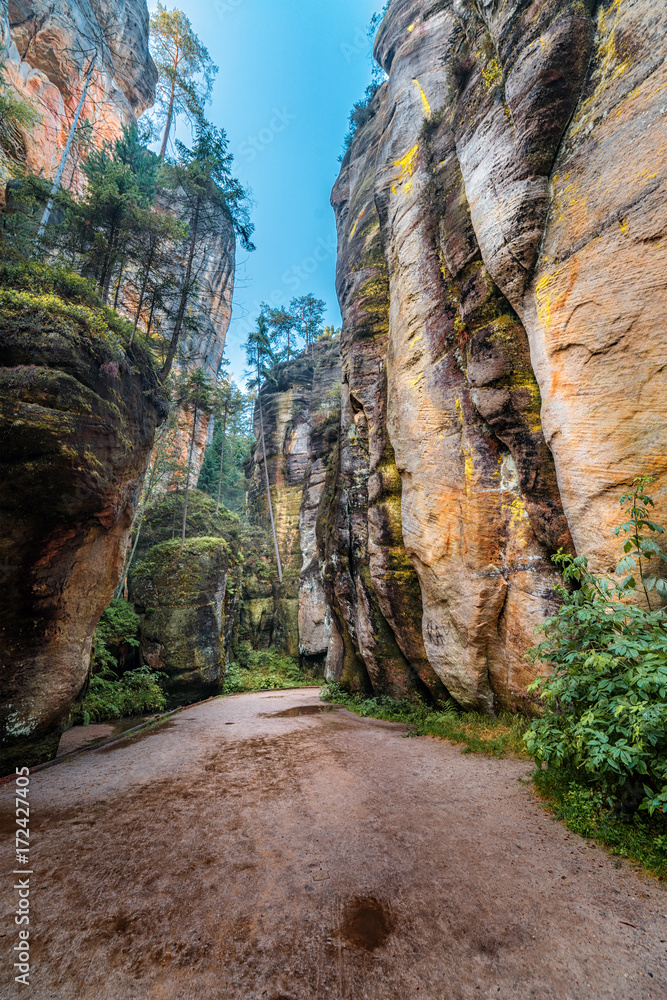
(255, 847)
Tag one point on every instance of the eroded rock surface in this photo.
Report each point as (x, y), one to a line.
(77, 420)
(48, 50)
(505, 200)
(300, 407)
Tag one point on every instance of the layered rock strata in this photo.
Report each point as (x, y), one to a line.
(298, 404)
(78, 415)
(48, 49)
(518, 257)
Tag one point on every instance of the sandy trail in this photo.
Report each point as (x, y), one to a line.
(239, 853)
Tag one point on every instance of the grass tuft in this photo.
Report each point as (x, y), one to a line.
(264, 670)
(499, 737)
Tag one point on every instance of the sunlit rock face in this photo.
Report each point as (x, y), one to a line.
(48, 51)
(513, 158)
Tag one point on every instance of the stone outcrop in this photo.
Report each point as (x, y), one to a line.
(188, 600)
(48, 49)
(78, 415)
(499, 268)
(298, 402)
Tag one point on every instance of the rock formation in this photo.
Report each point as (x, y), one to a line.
(78, 415)
(491, 202)
(48, 51)
(298, 403)
(187, 600)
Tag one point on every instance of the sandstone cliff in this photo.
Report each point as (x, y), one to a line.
(48, 49)
(78, 414)
(298, 404)
(500, 218)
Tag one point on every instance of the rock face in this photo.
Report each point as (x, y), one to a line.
(48, 50)
(298, 404)
(77, 420)
(499, 272)
(188, 601)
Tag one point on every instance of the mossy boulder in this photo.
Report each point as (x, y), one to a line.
(182, 597)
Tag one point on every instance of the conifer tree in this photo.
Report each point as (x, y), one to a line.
(185, 70)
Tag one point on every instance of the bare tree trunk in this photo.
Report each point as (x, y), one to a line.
(171, 353)
(268, 490)
(187, 479)
(167, 126)
(222, 454)
(63, 159)
(120, 278)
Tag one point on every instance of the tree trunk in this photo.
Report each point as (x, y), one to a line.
(268, 490)
(120, 278)
(222, 455)
(167, 125)
(171, 353)
(187, 479)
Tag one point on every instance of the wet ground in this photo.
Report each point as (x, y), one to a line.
(97, 732)
(257, 847)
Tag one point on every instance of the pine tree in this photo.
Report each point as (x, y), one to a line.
(185, 70)
(214, 197)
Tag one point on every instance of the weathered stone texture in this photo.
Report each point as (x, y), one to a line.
(516, 163)
(77, 420)
(48, 50)
(297, 406)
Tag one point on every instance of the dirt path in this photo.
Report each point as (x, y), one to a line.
(239, 853)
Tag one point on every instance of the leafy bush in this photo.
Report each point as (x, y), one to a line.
(497, 737)
(119, 625)
(263, 670)
(135, 693)
(109, 696)
(606, 700)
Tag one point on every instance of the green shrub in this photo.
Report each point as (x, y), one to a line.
(135, 693)
(263, 670)
(606, 699)
(119, 625)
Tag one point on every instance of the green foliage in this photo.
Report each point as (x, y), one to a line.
(118, 626)
(497, 737)
(606, 700)
(581, 805)
(109, 696)
(16, 116)
(185, 69)
(360, 114)
(135, 693)
(28, 286)
(233, 441)
(263, 670)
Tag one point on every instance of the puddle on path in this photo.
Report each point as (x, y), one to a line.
(288, 713)
(133, 738)
(367, 923)
(86, 736)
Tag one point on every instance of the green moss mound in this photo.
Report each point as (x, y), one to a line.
(164, 519)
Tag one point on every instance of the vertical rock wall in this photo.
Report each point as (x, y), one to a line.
(48, 49)
(515, 162)
(300, 407)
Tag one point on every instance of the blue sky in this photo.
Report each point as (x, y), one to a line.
(289, 75)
